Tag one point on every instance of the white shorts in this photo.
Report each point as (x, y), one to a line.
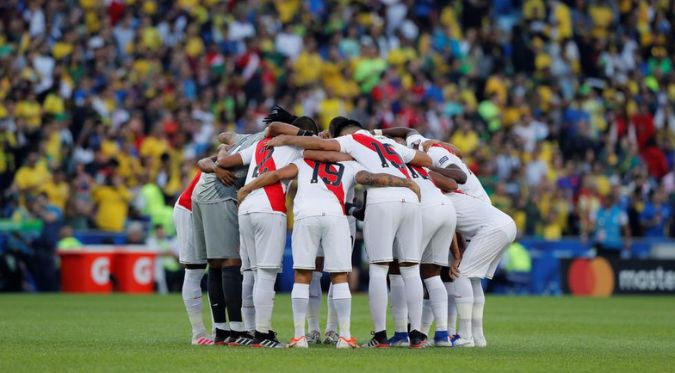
(182, 220)
(475, 215)
(386, 221)
(352, 235)
(485, 250)
(263, 240)
(438, 229)
(331, 234)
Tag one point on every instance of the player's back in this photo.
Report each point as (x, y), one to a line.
(431, 195)
(378, 157)
(323, 188)
(261, 159)
(209, 188)
(442, 158)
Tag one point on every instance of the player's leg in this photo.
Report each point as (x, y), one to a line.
(409, 237)
(452, 306)
(330, 334)
(442, 219)
(399, 306)
(378, 235)
(270, 240)
(502, 238)
(231, 267)
(305, 242)
(337, 251)
(314, 311)
(195, 264)
(246, 247)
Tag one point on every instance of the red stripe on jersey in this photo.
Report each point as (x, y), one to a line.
(420, 171)
(383, 152)
(185, 198)
(334, 186)
(265, 163)
(446, 147)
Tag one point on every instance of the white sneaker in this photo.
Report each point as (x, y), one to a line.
(480, 341)
(202, 340)
(458, 341)
(344, 343)
(300, 342)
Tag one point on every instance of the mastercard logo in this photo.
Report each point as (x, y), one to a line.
(593, 277)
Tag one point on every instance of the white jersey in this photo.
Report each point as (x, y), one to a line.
(442, 158)
(431, 195)
(323, 188)
(272, 198)
(377, 157)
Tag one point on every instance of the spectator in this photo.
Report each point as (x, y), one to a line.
(656, 214)
(609, 223)
(68, 241)
(168, 272)
(112, 204)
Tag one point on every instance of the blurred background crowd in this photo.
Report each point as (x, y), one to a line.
(564, 109)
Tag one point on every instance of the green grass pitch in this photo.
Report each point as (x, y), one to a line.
(151, 333)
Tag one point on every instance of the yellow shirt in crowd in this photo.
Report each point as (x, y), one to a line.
(113, 207)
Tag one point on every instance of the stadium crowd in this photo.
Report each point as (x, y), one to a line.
(564, 109)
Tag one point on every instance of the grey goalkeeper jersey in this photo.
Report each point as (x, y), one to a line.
(210, 189)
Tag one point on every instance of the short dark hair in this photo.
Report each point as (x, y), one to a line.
(338, 124)
(307, 124)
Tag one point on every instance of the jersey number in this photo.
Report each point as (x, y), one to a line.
(264, 154)
(329, 175)
(387, 155)
(414, 174)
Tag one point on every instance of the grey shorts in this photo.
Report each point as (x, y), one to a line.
(216, 229)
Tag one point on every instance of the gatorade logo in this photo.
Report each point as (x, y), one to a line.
(100, 270)
(593, 277)
(143, 271)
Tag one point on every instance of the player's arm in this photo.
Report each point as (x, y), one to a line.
(269, 178)
(207, 165)
(227, 138)
(449, 147)
(305, 142)
(403, 132)
(386, 180)
(278, 128)
(456, 258)
(421, 159)
(444, 183)
(451, 171)
(326, 156)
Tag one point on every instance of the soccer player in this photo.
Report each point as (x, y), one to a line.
(216, 234)
(262, 224)
(438, 230)
(319, 211)
(194, 266)
(487, 231)
(392, 213)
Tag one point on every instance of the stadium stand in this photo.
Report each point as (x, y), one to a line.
(563, 108)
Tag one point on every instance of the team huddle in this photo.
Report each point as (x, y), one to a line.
(428, 224)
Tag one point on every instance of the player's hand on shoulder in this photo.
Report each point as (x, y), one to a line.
(225, 176)
(277, 141)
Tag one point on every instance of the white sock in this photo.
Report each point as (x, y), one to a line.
(331, 317)
(377, 295)
(427, 317)
(399, 307)
(300, 302)
(414, 291)
(263, 298)
(478, 305)
(464, 299)
(247, 308)
(314, 311)
(438, 299)
(192, 298)
(222, 325)
(342, 298)
(452, 308)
